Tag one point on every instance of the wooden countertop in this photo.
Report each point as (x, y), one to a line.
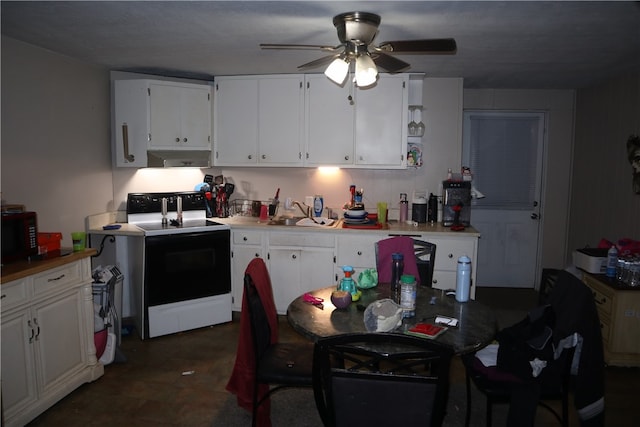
(21, 269)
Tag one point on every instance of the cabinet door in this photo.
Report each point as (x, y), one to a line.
(329, 122)
(246, 245)
(180, 117)
(381, 123)
(294, 271)
(19, 388)
(131, 131)
(60, 344)
(195, 117)
(358, 252)
(164, 114)
(285, 271)
(281, 119)
(236, 122)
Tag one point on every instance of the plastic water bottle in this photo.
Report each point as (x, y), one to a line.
(408, 295)
(612, 261)
(463, 279)
(397, 268)
(318, 205)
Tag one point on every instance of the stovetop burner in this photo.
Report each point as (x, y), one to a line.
(144, 210)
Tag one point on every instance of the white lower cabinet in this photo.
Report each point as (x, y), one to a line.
(448, 250)
(47, 340)
(358, 252)
(299, 262)
(246, 245)
(305, 260)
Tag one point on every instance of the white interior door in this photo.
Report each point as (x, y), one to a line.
(504, 151)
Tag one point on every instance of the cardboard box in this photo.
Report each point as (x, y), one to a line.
(591, 260)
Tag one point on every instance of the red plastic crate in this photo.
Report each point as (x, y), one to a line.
(49, 241)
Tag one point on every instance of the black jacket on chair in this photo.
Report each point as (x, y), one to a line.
(577, 316)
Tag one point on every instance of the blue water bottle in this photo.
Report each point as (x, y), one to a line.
(463, 279)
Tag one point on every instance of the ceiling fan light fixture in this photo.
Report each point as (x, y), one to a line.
(366, 71)
(337, 71)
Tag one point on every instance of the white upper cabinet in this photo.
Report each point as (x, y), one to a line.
(258, 120)
(180, 116)
(329, 122)
(354, 127)
(381, 123)
(235, 122)
(159, 115)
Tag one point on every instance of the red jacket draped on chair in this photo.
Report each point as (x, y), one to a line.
(243, 375)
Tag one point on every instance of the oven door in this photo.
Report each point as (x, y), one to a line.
(182, 267)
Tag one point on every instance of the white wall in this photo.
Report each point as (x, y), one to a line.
(603, 204)
(557, 159)
(55, 137)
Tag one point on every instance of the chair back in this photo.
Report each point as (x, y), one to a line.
(380, 379)
(259, 303)
(425, 258)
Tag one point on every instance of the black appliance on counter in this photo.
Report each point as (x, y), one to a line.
(183, 277)
(456, 196)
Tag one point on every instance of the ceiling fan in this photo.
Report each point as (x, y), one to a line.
(356, 32)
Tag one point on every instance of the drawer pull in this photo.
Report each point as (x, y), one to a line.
(245, 238)
(56, 278)
(3, 296)
(294, 256)
(257, 255)
(359, 253)
(450, 255)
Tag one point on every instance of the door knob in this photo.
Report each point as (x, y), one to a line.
(534, 216)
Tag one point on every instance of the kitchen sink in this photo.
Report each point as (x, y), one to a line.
(300, 222)
(284, 221)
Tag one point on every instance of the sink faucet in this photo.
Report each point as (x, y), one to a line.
(306, 210)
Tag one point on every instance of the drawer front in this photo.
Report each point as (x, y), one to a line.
(603, 301)
(313, 240)
(448, 252)
(15, 293)
(54, 279)
(247, 238)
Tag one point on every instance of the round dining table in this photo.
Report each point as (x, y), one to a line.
(477, 324)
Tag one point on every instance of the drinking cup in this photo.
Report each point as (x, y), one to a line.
(382, 212)
(79, 240)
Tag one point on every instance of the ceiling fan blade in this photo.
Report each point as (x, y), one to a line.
(388, 62)
(299, 47)
(419, 46)
(320, 61)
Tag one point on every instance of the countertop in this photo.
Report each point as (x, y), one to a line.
(96, 222)
(21, 269)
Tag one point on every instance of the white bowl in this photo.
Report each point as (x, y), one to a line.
(355, 213)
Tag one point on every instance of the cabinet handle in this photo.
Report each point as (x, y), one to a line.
(249, 157)
(245, 238)
(56, 278)
(3, 296)
(32, 331)
(359, 252)
(185, 140)
(257, 255)
(293, 256)
(435, 281)
(35, 322)
(346, 158)
(125, 143)
(264, 157)
(450, 255)
(177, 139)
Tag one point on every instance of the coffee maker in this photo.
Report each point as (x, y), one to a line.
(456, 199)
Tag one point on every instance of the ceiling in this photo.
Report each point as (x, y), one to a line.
(517, 44)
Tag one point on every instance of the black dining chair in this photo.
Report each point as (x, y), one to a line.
(378, 379)
(566, 326)
(278, 365)
(425, 258)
